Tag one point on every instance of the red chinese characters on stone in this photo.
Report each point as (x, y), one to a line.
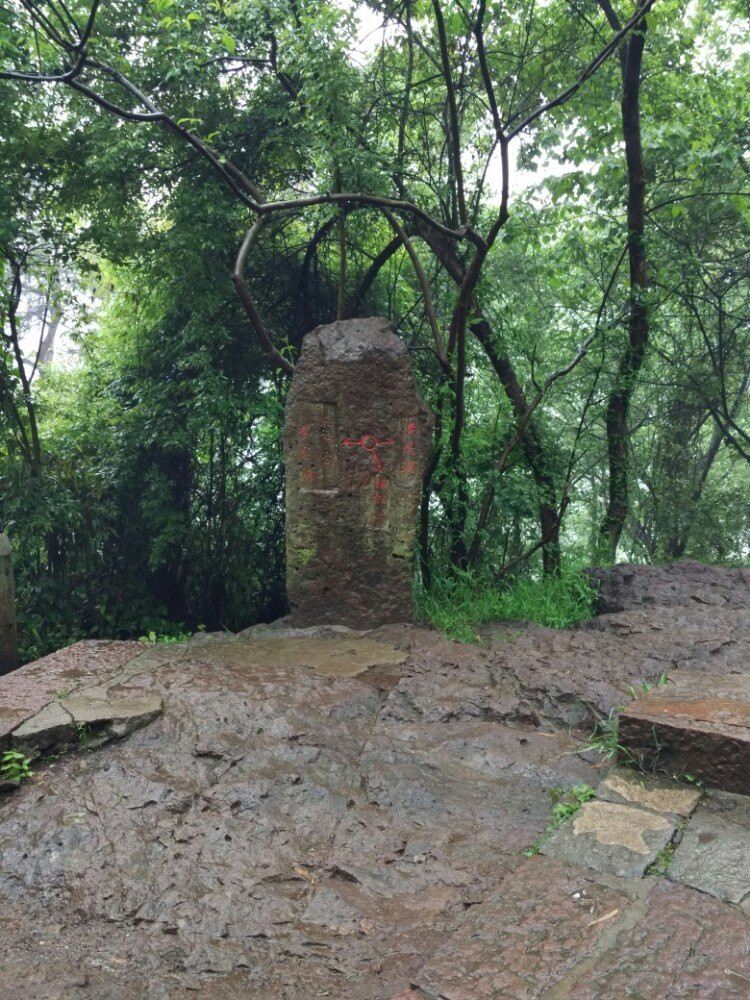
(380, 500)
(316, 447)
(408, 466)
(353, 419)
(371, 443)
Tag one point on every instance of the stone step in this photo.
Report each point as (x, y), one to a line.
(696, 725)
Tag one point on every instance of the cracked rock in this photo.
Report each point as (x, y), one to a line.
(80, 716)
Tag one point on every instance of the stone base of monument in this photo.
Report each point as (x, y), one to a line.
(697, 724)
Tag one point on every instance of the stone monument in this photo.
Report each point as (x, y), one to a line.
(356, 441)
(8, 631)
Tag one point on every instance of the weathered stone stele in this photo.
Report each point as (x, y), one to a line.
(356, 441)
(8, 631)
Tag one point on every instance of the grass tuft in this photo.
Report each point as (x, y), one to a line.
(459, 605)
(565, 803)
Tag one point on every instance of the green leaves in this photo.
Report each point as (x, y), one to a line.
(15, 767)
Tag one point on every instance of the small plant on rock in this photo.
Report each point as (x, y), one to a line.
(83, 732)
(154, 637)
(604, 740)
(565, 803)
(15, 767)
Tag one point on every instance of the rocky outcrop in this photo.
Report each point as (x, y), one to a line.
(629, 587)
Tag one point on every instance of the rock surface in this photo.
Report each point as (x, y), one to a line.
(86, 719)
(356, 441)
(26, 691)
(696, 724)
(627, 786)
(611, 837)
(713, 856)
(283, 833)
(682, 584)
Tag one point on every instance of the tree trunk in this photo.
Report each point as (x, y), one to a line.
(531, 443)
(533, 450)
(618, 408)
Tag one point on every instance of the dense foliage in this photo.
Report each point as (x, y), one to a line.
(584, 340)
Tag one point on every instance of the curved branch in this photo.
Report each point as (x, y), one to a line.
(373, 271)
(604, 54)
(248, 302)
(425, 286)
(233, 177)
(359, 198)
(65, 77)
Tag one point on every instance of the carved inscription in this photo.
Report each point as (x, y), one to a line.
(372, 444)
(315, 454)
(409, 470)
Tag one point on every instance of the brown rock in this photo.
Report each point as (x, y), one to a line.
(82, 717)
(713, 857)
(328, 657)
(679, 943)
(356, 441)
(697, 724)
(688, 584)
(523, 938)
(25, 691)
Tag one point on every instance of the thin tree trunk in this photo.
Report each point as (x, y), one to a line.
(532, 448)
(531, 442)
(618, 407)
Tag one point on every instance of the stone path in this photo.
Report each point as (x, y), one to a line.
(346, 818)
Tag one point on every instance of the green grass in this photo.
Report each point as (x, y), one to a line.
(565, 803)
(155, 637)
(663, 859)
(458, 606)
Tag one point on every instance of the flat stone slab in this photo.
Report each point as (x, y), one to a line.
(714, 856)
(734, 808)
(697, 724)
(83, 718)
(328, 657)
(611, 837)
(679, 943)
(25, 691)
(281, 629)
(629, 787)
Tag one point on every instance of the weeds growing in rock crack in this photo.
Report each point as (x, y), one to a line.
(604, 740)
(565, 803)
(663, 859)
